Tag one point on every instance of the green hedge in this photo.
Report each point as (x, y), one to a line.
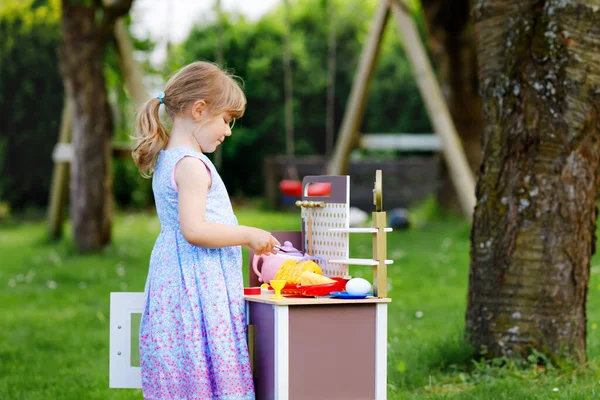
(31, 99)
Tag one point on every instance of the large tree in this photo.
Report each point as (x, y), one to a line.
(87, 26)
(534, 224)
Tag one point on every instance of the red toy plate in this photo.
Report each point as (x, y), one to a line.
(289, 288)
(314, 290)
(252, 290)
(325, 289)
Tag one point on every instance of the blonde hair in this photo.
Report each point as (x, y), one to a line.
(200, 80)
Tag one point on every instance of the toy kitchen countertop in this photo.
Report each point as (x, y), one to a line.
(307, 301)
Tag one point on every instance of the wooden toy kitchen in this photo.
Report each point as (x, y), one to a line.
(325, 336)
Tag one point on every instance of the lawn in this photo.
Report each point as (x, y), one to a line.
(54, 315)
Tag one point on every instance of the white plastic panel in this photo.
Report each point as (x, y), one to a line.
(359, 230)
(358, 261)
(124, 308)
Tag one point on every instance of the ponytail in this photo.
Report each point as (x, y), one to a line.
(199, 80)
(151, 138)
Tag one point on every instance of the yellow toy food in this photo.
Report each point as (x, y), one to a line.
(310, 278)
(292, 270)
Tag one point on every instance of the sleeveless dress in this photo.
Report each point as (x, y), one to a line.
(193, 330)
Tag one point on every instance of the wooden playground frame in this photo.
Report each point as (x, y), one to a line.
(460, 173)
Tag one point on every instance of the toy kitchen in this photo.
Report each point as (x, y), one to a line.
(314, 332)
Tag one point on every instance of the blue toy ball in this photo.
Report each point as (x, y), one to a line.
(398, 219)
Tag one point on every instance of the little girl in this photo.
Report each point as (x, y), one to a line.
(193, 330)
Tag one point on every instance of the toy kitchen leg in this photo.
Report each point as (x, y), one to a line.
(326, 350)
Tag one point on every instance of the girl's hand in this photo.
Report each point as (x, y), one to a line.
(261, 242)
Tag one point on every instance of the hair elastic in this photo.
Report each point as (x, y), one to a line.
(160, 97)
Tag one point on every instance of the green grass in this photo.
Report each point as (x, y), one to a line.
(54, 310)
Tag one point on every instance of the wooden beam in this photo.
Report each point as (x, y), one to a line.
(131, 71)
(60, 178)
(63, 151)
(460, 173)
(402, 142)
(290, 148)
(358, 95)
(379, 254)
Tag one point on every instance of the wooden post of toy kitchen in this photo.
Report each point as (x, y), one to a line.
(379, 240)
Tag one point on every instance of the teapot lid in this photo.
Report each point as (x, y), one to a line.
(289, 248)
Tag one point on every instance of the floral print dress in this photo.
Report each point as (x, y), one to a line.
(193, 330)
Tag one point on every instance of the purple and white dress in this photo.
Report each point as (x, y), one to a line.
(193, 330)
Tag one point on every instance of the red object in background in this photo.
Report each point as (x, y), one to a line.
(294, 188)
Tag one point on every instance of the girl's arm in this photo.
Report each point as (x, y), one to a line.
(193, 181)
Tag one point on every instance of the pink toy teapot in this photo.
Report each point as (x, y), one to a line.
(266, 265)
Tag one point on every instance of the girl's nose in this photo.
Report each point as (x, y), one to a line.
(228, 131)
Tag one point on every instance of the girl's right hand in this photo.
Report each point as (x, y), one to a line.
(261, 241)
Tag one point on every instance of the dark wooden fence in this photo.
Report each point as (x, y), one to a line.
(406, 180)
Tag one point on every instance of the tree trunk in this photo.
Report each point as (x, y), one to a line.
(534, 225)
(85, 33)
(451, 40)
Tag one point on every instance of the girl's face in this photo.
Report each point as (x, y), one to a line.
(211, 131)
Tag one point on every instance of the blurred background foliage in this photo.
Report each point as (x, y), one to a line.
(31, 92)
(31, 99)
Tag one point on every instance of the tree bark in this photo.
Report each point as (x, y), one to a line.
(534, 224)
(86, 30)
(451, 40)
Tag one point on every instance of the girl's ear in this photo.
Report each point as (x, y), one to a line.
(197, 109)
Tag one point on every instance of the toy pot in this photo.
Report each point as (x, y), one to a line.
(265, 266)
